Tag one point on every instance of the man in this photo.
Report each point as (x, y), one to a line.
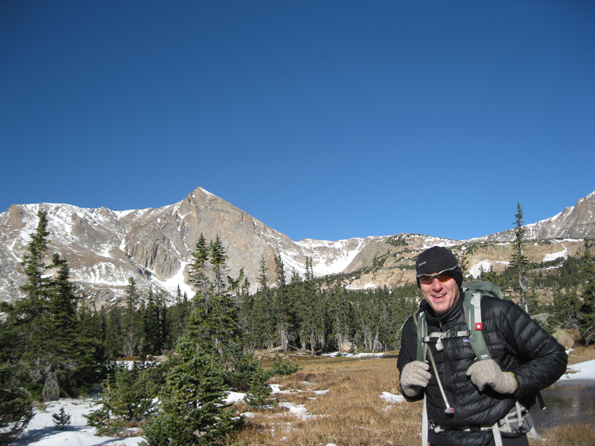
(471, 402)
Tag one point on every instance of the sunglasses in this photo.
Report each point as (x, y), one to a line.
(442, 276)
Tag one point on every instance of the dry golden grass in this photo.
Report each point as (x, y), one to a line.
(573, 434)
(351, 412)
(581, 354)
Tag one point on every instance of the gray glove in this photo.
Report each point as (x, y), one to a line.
(488, 373)
(414, 376)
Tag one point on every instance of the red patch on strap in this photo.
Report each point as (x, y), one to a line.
(478, 326)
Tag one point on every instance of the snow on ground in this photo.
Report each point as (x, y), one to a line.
(390, 398)
(352, 355)
(41, 431)
(584, 370)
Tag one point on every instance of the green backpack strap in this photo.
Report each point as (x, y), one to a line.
(419, 318)
(472, 302)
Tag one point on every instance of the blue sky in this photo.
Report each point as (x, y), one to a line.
(324, 120)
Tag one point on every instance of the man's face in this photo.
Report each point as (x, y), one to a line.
(442, 293)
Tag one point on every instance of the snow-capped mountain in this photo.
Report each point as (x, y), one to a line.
(105, 248)
(154, 246)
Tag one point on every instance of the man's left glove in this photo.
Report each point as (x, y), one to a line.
(488, 373)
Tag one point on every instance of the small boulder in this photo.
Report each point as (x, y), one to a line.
(564, 338)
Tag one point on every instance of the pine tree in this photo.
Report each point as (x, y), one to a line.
(61, 419)
(152, 327)
(36, 287)
(283, 307)
(280, 271)
(131, 321)
(214, 324)
(587, 317)
(263, 278)
(492, 276)
(37, 283)
(198, 267)
(44, 325)
(519, 260)
(127, 399)
(309, 269)
(218, 258)
(16, 406)
(113, 343)
(340, 315)
(192, 409)
(63, 301)
(235, 284)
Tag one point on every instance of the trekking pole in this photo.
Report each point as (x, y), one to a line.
(448, 410)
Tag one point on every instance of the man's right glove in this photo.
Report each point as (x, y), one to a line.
(414, 376)
(488, 373)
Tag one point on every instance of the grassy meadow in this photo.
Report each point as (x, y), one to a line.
(343, 406)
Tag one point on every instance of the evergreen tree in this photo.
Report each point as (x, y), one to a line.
(192, 409)
(61, 419)
(218, 258)
(235, 286)
(519, 261)
(280, 271)
(263, 320)
(340, 315)
(587, 318)
(36, 286)
(263, 279)
(16, 406)
(312, 311)
(309, 270)
(113, 343)
(44, 331)
(63, 301)
(492, 276)
(175, 320)
(127, 399)
(283, 308)
(131, 321)
(565, 309)
(213, 324)
(198, 267)
(152, 327)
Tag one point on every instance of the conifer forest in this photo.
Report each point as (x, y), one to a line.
(54, 344)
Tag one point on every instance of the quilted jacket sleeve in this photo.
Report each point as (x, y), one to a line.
(540, 359)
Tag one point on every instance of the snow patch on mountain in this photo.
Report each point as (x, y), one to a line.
(172, 283)
(103, 273)
(332, 257)
(484, 266)
(556, 255)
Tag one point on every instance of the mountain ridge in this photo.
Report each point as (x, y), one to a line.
(154, 245)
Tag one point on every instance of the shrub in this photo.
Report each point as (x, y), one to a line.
(16, 406)
(192, 407)
(127, 400)
(61, 419)
(283, 368)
